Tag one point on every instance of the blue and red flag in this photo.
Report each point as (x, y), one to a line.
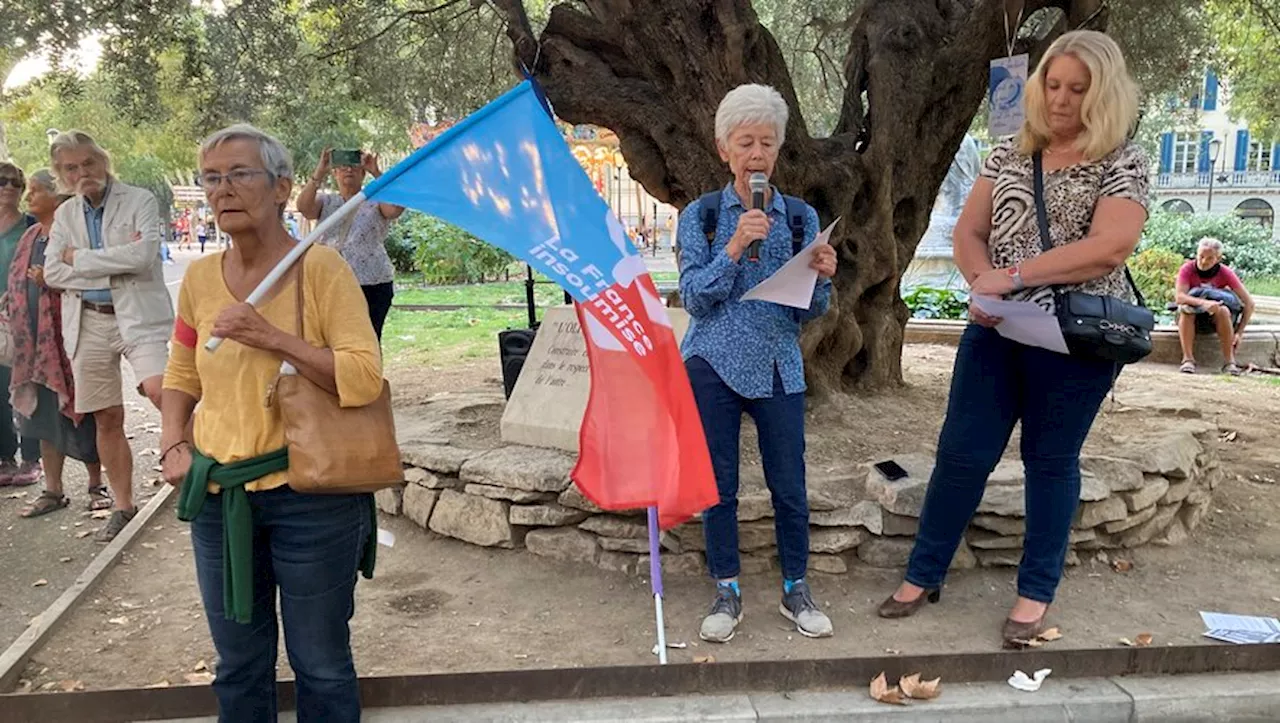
(506, 175)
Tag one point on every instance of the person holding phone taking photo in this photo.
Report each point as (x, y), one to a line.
(362, 237)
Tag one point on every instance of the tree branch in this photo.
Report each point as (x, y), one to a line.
(407, 14)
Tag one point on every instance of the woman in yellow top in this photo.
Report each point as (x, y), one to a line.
(308, 547)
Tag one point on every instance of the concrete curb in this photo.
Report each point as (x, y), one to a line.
(15, 658)
(1217, 698)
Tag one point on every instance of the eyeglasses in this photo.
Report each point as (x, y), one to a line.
(239, 178)
(16, 183)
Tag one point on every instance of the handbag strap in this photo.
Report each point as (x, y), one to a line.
(302, 263)
(1042, 218)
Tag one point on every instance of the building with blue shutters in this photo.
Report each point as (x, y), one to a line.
(1216, 166)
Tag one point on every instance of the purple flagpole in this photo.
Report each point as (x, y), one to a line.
(655, 583)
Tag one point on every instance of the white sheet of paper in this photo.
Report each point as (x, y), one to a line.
(386, 538)
(1244, 623)
(793, 284)
(1025, 322)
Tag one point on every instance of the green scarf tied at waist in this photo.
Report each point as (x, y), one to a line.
(237, 521)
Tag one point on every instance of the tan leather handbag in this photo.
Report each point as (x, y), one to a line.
(335, 449)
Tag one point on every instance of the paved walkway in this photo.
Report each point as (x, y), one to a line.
(1225, 698)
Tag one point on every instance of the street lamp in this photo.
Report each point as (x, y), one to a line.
(51, 134)
(1215, 147)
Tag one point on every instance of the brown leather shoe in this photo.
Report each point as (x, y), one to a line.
(1018, 636)
(893, 609)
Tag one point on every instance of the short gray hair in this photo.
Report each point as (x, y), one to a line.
(44, 179)
(1211, 243)
(276, 159)
(72, 140)
(751, 103)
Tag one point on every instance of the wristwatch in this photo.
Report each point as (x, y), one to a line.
(1015, 274)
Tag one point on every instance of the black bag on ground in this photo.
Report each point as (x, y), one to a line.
(1094, 325)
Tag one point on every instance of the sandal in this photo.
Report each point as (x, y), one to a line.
(99, 498)
(1188, 367)
(44, 504)
(1232, 369)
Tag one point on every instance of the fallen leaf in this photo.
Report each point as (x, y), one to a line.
(892, 651)
(203, 667)
(100, 514)
(1126, 642)
(1032, 643)
(150, 545)
(64, 559)
(15, 496)
(1143, 640)
(1050, 635)
(198, 678)
(704, 658)
(161, 684)
(880, 691)
(69, 686)
(130, 605)
(1229, 436)
(40, 583)
(119, 621)
(913, 687)
(1122, 566)
(51, 685)
(84, 533)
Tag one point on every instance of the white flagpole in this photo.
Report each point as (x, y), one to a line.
(294, 254)
(655, 583)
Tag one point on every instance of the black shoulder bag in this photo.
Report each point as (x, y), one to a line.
(1094, 326)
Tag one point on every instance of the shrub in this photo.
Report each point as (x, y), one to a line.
(401, 251)
(926, 302)
(445, 254)
(1248, 248)
(1154, 271)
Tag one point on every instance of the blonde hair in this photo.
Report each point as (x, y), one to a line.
(72, 140)
(1110, 108)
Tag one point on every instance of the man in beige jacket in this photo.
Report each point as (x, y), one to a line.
(104, 253)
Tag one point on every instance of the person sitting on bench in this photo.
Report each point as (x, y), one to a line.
(1210, 299)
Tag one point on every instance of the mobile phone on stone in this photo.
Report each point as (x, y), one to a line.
(891, 470)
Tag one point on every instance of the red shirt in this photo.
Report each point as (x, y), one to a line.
(1225, 279)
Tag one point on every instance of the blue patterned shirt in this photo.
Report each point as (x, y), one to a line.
(743, 341)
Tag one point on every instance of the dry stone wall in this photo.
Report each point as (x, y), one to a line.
(1149, 491)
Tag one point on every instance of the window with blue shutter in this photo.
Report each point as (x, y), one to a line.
(1166, 152)
(1202, 161)
(1275, 156)
(1242, 150)
(1211, 90)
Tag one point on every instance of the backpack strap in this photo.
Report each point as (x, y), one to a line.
(709, 208)
(797, 209)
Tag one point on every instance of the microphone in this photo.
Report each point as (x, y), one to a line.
(759, 184)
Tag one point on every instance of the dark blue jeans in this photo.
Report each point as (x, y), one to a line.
(780, 422)
(996, 383)
(307, 547)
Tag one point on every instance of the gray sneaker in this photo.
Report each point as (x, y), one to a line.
(726, 612)
(115, 523)
(798, 607)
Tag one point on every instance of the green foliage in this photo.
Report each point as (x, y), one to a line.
(446, 254)
(926, 302)
(1247, 247)
(1249, 42)
(402, 252)
(1154, 271)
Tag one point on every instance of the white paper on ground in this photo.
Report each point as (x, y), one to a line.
(386, 538)
(1241, 629)
(793, 284)
(1020, 680)
(1024, 322)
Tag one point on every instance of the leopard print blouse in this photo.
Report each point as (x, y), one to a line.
(1070, 196)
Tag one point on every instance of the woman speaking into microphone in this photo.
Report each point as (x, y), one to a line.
(744, 356)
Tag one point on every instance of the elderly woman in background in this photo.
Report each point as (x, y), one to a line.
(1210, 298)
(1082, 106)
(41, 385)
(306, 547)
(362, 238)
(744, 356)
(13, 224)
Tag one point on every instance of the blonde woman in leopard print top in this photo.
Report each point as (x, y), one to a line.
(1082, 107)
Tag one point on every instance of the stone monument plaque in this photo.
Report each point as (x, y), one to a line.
(546, 406)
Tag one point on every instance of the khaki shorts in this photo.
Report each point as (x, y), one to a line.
(96, 364)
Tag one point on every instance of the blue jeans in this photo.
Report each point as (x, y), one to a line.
(780, 422)
(996, 383)
(308, 547)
